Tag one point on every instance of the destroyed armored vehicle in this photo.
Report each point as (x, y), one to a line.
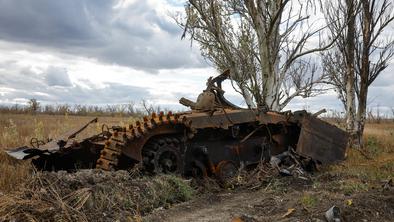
(214, 138)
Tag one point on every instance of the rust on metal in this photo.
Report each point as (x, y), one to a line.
(214, 138)
(321, 141)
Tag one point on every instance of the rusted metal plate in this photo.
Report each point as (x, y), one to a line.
(272, 118)
(322, 141)
(218, 119)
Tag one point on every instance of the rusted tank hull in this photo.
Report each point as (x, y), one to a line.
(196, 144)
(214, 138)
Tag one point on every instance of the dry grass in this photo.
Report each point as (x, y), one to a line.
(368, 168)
(12, 172)
(92, 195)
(17, 130)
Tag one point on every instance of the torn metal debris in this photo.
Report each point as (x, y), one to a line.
(333, 214)
(215, 138)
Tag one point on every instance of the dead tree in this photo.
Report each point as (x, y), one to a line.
(34, 106)
(374, 17)
(339, 63)
(262, 42)
(363, 48)
(392, 113)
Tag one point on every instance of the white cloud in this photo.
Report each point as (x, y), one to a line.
(64, 78)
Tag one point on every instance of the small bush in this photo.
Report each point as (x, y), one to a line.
(350, 187)
(373, 146)
(308, 200)
(173, 189)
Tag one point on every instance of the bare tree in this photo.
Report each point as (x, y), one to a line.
(149, 109)
(34, 105)
(392, 113)
(262, 42)
(339, 63)
(363, 48)
(375, 16)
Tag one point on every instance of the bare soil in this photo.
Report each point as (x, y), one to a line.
(273, 204)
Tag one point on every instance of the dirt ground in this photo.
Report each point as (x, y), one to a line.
(274, 202)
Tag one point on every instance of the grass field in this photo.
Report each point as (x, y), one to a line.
(363, 170)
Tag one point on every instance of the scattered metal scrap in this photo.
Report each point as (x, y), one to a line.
(214, 138)
(333, 214)
(290, 163)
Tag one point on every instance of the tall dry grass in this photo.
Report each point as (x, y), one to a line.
(92, 195)
(371, 166)
(13, 173)
(17, 129)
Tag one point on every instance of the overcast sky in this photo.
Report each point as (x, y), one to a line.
(112, 52)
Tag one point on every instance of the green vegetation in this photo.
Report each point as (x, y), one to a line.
(308, 200)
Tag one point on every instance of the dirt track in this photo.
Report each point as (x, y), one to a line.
(261, 205)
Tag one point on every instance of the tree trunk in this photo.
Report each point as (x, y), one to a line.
(361, 114)
(269, 54)
(350, 75)
(268, 74)
(364, 72)
(248, 98)
(271, 92)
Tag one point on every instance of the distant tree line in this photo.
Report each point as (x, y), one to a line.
(129, 109)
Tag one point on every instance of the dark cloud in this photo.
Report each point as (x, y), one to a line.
(47, 22)
(136, 36)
